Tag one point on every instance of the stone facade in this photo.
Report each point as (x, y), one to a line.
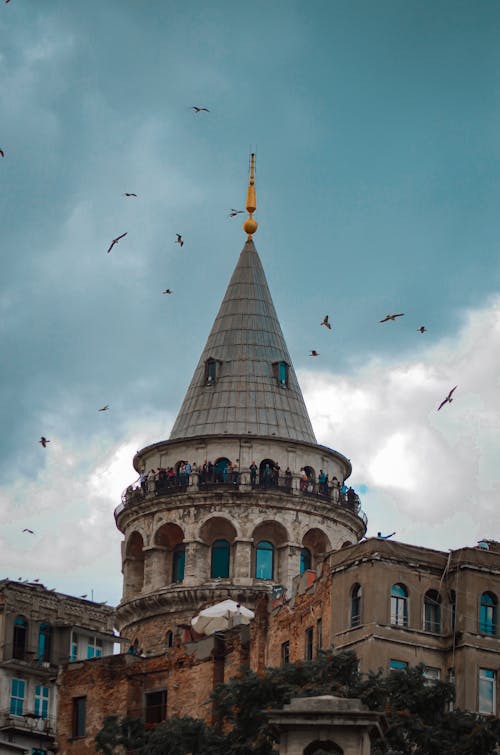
(40, 629)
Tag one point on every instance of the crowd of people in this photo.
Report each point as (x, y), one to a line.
(267, 475)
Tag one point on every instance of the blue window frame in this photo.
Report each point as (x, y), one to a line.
(488, 614)
(395, 665)
(487, 702)
(19, 638)
(178, 563)
(399, 605)
(305, 560)
(94, 647)
(432, 611)
(17, 694)
(44, 634)
(220, 559)
(41, 701)
(264, 560)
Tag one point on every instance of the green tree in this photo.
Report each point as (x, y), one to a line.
(417, 712)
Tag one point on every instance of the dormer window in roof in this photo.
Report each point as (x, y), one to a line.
(212, 367)
(280, 372)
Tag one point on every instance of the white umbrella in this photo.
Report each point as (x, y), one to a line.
(221, 616)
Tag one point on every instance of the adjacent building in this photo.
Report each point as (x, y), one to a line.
(39, 630)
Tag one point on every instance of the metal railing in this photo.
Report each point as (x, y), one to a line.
(28, 722)
(294, 485)
(24, 654)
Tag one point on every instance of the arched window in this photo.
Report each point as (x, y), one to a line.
(267, 473)
(178, 562)
(356, 594)
(210, 371)
(169, 638)
(399, 605)
(432, 611)
(221, 470)
(19, 638)
(488, 614)
(44, 636)
(220, 559)
(305, 560)
(264, 560)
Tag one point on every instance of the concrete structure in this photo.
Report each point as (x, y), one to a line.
(40, 629)
(397, 605)
(326, 724)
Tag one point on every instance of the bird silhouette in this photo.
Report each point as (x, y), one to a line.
(448, 398)
(27, 530)
(83, 596)
(326, 322)
(167, 291)
(179, 239)
(234, 212)
(104, 408)
(115, 241)
(43, 440)
(385, 537)
(421, 329)
(2, 153)
(200, 109)
(314, 353)
(129, 194)
(391, 317)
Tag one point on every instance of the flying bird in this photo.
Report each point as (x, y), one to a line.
(448, 398)
(83, 596)
(392, 317)
(384, 537)
(2, 153)
(27, 530)
(115, 241)
(129, 194)
(167, 291)
(104, 408)
(200, 109)
(326, 322)
(234, 212)
(43, 440)
(314, 353)
(422, 329)
(179, 239)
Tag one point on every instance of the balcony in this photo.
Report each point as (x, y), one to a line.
(19, 656)
(163, 487)
(28, 723)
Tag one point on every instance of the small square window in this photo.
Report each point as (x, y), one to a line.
(395, 665)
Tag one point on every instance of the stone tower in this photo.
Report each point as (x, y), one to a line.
(203, 526)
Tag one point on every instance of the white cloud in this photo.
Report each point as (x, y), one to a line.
(438, 470)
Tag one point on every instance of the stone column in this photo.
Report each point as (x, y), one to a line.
(196, 567)
(242, 566)
(157, 567)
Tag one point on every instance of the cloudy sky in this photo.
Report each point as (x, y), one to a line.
(376, 128)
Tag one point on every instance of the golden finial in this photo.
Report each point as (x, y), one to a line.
(250, 225)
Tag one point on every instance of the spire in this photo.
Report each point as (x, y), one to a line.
(245, 383)
(250, 225)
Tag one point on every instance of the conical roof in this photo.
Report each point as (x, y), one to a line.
(238, 386)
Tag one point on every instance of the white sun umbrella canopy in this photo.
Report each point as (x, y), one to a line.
(221, 616)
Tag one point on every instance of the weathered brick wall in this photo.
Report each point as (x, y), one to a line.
(288, 622)
(104, 682)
